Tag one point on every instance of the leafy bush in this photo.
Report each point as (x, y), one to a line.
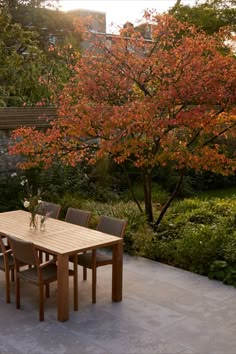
(221, 270)
(81, 181)
(159, 194)
(230, 247)
(194, 235)
(143, 242)
(198, 247)
(206, 180)
(71, 201)
(10, 191)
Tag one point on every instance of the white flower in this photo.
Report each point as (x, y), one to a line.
(23, 182)
(14, 174)
(40, 201)
(26, 204)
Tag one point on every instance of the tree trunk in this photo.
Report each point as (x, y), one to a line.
(169, 201)
(147, 188)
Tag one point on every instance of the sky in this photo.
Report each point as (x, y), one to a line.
(120, 11)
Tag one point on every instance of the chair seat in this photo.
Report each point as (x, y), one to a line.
(85, 259)
(49, 274)
(10, 262)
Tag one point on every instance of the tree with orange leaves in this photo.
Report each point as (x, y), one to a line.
(169, 101)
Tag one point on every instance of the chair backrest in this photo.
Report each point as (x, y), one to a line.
(78, 217)
(112, 226)
(3, 248)
(2, 244)
(23, 251)
(51, 209)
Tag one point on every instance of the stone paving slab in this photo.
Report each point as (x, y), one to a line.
(164, 310)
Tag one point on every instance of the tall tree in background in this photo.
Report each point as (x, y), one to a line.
(20, 63)
(27, 74)
(208, 15)
(166, 102)
(42, 16)
(32, 3)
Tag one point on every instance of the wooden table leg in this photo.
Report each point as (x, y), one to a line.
(62, 288)
(117, 271)
(75, 282)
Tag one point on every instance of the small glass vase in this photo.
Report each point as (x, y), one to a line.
(42, 223)
(33, 222)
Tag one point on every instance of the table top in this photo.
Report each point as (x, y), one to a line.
(59, 237)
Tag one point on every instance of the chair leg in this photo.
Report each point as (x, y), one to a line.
(17, 285)
(41, 303)
(94, 276)
(12, 275)
(7, 281)
(94, 285)
(75, 279)
(84, 273)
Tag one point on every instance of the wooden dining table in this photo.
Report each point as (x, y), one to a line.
(63, 239)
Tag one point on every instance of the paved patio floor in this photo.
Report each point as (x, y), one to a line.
(164, 310)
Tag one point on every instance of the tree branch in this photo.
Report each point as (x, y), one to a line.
(167, 204)
(132, 190)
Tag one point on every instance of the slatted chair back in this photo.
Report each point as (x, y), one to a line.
(112, 226)
(7, 264)
(51, 209)
(41, 274)
(78, 217)
(3, 249)
(24, 251)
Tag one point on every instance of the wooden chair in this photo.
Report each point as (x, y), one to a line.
(78, 217)
(39, 274)
(81, 218)
(93, 260)
(51, 209)
(6, 264)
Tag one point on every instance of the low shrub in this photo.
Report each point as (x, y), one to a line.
(71, 201)
(10, 190)
(144, 243)
(198, 247)
(221, 270)
(195, 235)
